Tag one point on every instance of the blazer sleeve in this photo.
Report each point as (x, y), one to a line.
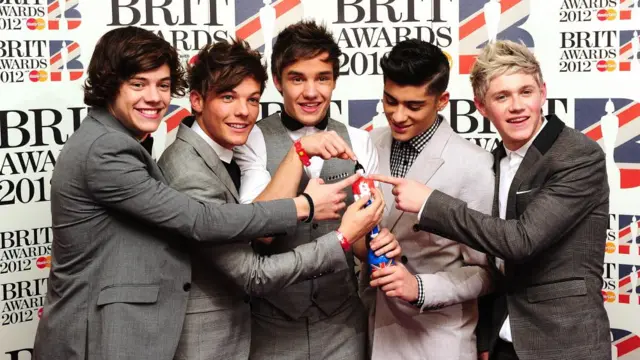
(474, 278)
(257, 274)
(118, 178)
(574, 189)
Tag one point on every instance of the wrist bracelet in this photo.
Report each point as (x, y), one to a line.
(344, 242)
(301, 153)
(310, 200)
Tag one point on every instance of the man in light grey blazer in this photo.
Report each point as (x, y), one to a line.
(120, 276)
(427, 306)
(199, 163)
(548, 229)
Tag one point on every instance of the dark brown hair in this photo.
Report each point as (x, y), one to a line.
(302, 41)
(122, 53)
(223, 66)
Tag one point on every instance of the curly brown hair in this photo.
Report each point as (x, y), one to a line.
(222, 66)
(122, 53)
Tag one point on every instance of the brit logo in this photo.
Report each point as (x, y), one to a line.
(257, 21)
(36, 15)
(39, 61)
(483, 21)
(594, 10)
(615, 125)
(626, 345)
(629, 234)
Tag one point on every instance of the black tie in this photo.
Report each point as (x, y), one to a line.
(147, 144)
(292, 124)
(234, 172)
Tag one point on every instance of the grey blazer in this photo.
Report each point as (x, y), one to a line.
(552, 241)
(120, 276)
(223, 275)
(453, 275)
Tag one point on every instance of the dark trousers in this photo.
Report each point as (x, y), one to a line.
(503, 351)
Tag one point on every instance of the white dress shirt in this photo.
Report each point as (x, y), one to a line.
(508, 167)
(252, 158)
(223, 153)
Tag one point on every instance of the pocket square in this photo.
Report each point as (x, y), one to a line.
(525, 191)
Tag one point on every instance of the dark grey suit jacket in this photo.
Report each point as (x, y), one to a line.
(120, 277)
(224, 274)
(552, 241)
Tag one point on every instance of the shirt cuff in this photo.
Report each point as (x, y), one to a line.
(418, 303)
(422, 208)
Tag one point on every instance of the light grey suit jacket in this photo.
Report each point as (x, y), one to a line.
(120, 278)
(223, 275)
(453, 275)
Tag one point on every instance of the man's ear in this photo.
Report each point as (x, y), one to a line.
(197, 102)
(276, 82)
(443, 100)
(480, 106)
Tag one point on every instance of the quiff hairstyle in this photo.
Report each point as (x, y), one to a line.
(304, 40)
(222, 66)
(122, 53)
(499, 58)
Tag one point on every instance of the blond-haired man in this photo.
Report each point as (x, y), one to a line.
(547, 232)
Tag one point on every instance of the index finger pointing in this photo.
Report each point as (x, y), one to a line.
(386, 179)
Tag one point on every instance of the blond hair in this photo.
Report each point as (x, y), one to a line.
(499, 58)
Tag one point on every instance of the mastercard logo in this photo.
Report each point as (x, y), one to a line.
(35, 24)
(608, 296)
(610, 247)
(43, 262)
(607, 14)
(38, 76)
(606, 65)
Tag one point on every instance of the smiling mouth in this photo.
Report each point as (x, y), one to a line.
(310, 107)
(518, 120)
(238, 126)
(149, 113)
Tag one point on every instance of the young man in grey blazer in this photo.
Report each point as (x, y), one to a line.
(319, 318)
(430, 309)
(225, 84)
(548, 229)
(120, 277)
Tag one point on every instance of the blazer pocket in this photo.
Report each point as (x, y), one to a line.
(133, 294)
(557, 290)
(524, 197)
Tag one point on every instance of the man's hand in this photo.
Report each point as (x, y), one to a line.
(328, 199)
(483, 355)
(327, 145)
(410, 194)
(358, 220)
(386, 244)
(396, 281)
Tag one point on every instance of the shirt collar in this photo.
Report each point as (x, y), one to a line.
(223, 153)
(522, 151)
(292, 124)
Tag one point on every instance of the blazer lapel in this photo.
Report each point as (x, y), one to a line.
(207, 154)
(541, 144)
(384, 154)
(427, 163)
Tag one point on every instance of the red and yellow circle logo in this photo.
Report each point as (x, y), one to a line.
(38, 76)
(606, 65)
(610, 247)
(35, 24)
(43, 262)
(608, 296)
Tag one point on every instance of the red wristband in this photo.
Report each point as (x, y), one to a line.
(346, 246)
(301, 153)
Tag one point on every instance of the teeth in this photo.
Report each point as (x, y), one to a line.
(238, 126)
(149, 112)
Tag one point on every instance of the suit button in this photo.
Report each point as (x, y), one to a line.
(314, 226)
(404, 259)
(416, 228)
(315, 295)
(186, 286)
(247, 298)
